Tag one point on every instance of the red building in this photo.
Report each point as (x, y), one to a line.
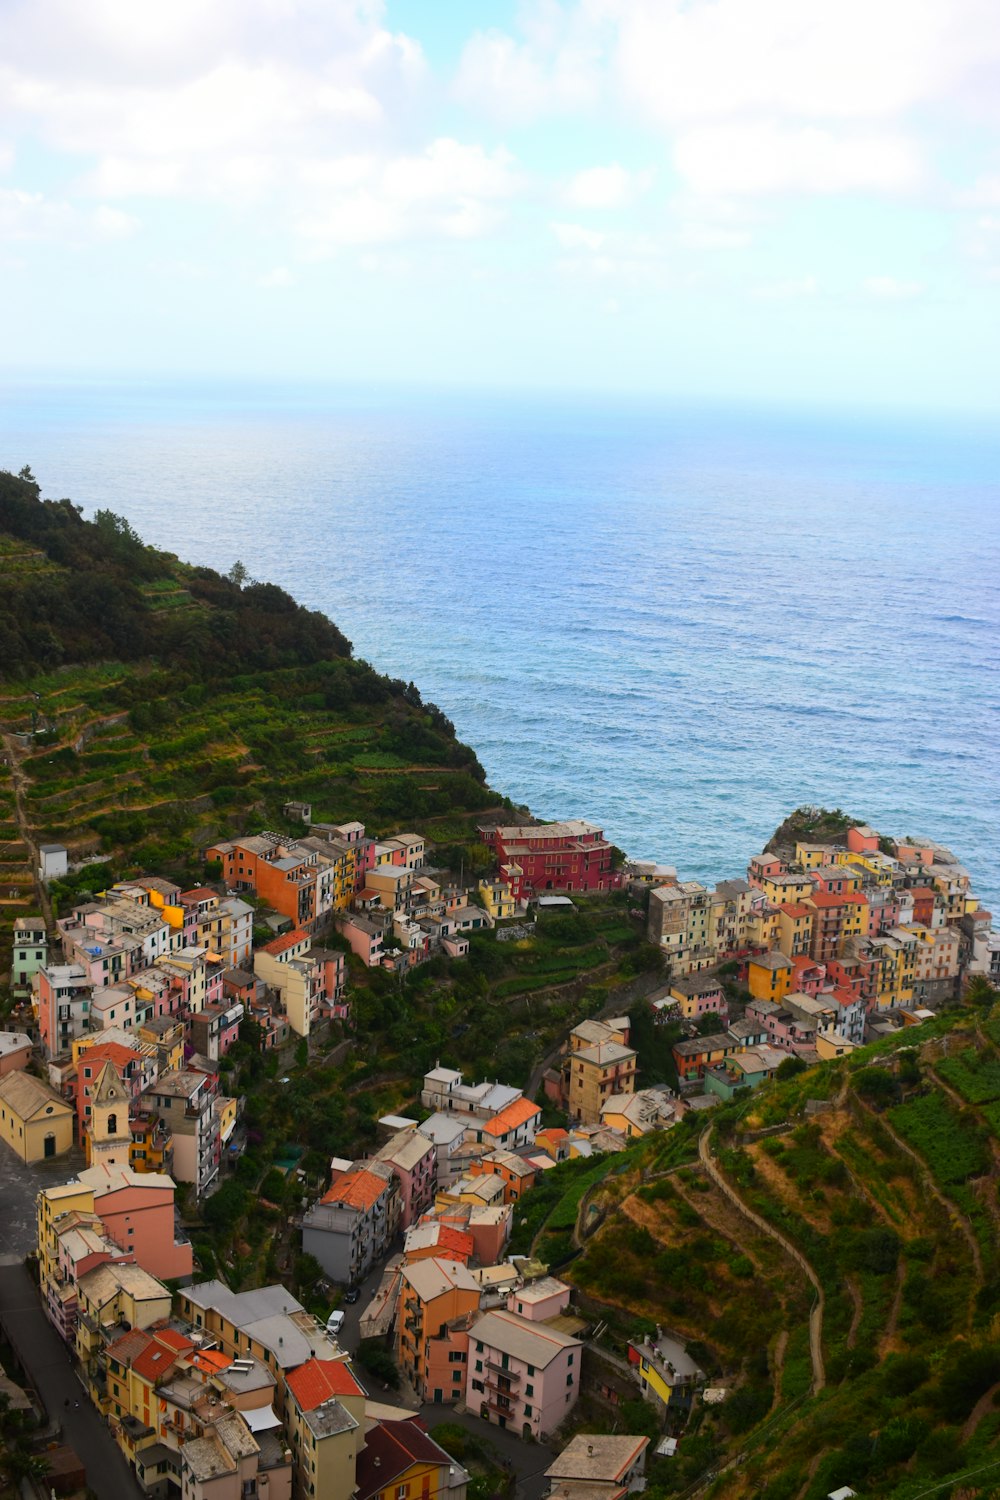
(553, 857)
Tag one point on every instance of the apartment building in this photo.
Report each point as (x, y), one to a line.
(437, 1296)
(354, 1222)
(185, 1101)
(522, 1376)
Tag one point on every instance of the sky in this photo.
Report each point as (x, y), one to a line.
(763, 199)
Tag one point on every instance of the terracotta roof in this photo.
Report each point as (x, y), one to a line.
(287, 940)
(795, 909)
(199, 893)
(510, 1118)
(128, 1346)
(210, 1360)
(553, 1133)
(391, 1448)
(319, 1379)
(110, 1052)
(160, 1353)
(357, 1189)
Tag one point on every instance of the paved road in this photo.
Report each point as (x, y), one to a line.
(527, 1460)
(52, 1374)
(18, 1186)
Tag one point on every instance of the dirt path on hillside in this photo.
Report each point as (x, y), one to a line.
(951, 1209)
(887, 1342)
(20, 784)
(816, 1314)
(777, 1367)
(859, 1307)
(985, 1404)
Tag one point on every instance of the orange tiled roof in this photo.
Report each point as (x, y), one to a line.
(319, 1379)
(510, 1118)
(554, 1133)
(357, 1189)
(831, 898)
(160, 1353)
(795, 909)
(210, 1361)
(199, 893)
(286, 941)
(113, 1052)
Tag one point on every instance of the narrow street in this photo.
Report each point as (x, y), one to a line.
(52, 1374)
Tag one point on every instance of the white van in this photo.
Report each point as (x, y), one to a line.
(335, 1323)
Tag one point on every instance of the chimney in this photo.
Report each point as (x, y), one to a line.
(590, 1450)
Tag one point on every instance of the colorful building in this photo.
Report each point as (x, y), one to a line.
(571, 856)
(34, 1121)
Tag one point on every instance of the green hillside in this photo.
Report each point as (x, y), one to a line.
(148, 707)
(881, 1177)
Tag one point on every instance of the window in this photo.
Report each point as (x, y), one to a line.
(569, 1380)
(529, 1389)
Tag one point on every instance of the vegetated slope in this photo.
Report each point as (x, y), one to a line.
(813, 825)
(889, 1191)
(161, 705)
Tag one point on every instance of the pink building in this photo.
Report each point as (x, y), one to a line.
(808, 978)
(523, 1376)
(62, 994)
(764, 867)
(785, 1031)
(413, 1159)
(862, 840)
(365, 936)
(137, 1212)
(540, 1300)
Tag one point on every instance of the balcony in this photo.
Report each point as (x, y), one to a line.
(499, 1369)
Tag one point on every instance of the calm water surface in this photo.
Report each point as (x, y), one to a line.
(678, 622)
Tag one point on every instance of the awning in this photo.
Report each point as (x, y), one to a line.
(261, 1419)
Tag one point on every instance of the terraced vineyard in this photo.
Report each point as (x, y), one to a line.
(895, 1210)
(149, 707)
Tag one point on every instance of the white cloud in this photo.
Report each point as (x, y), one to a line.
(763, 159)
(891, 288)
(113, 224)
(784, 291)
(280, 276)
(449, 189)
(33, 216)
(984, 193)
(607, 187)
(577, 237)
(6, 156)
(556, 70)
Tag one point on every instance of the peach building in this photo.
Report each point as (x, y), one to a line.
(435, 1300)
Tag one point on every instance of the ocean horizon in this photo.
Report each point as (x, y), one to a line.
(677, 620)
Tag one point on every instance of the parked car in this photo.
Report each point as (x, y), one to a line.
(335, 1323)
(352, 1294)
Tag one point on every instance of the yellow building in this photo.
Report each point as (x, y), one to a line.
(762, 927)
(795, 925)
(164, 1035)
(780, 889)
(325, 1420)
(34, 1122)
(107, 1137)
(811, 856)
(401, 1461)
(667, 1373)
(498, 899)
(769, 976)
(110, 1297)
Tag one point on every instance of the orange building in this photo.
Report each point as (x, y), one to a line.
(436, 1299)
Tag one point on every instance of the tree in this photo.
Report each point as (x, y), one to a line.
(238, 574)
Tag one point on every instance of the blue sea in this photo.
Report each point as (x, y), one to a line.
(678, 621)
